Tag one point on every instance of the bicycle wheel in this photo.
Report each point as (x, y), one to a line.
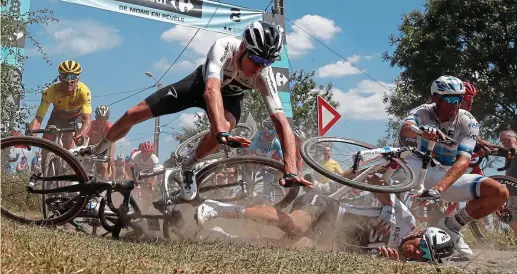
(108, 216)
(241, 129)
(234, 187)
(64, 206)
(494, 231)
(312, 147)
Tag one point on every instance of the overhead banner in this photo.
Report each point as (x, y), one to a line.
(18, 9)
(209, 15)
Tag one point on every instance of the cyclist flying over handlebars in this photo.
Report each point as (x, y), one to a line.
(232, 66)
(449, 181)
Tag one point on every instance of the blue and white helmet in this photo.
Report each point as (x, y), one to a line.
(448, 85)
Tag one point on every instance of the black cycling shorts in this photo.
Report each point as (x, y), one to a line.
(61, 122)
(188, 93)
(322, 209)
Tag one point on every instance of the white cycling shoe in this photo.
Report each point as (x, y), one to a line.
(188, 185)
(457, 238)
(209, 209)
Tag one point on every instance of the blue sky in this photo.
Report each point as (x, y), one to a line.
(115, 50)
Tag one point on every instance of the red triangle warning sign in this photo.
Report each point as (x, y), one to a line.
(327, 116)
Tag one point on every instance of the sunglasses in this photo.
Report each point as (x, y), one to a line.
(68, 77)
(452, 99)
(259, 61)
(426, 252)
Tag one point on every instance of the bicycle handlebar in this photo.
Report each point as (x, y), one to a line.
(53, 129)
(446, 141)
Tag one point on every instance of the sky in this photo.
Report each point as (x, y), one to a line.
(115, 51)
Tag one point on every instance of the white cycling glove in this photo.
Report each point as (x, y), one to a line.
(386, 220)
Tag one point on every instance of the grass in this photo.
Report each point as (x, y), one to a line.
(29, 249)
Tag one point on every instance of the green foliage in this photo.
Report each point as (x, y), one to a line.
(13, 114)
(473, 40)
(392, 134)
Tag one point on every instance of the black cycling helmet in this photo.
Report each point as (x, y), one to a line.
(263, 39)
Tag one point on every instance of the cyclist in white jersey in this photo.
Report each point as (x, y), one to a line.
(232, 66)
(449, 180)
(144, 160)
(316, 220)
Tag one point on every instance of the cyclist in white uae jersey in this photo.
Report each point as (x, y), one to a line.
(449, 180)
(217, 86)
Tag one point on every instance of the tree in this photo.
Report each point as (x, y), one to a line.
(304, 92)
(13, 113)
(392, 133)
(473, 40)
(201, 123)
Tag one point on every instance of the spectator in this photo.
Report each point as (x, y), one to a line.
(36, 163)
(23, 165)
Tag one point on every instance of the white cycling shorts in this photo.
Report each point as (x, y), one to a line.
(466, 188)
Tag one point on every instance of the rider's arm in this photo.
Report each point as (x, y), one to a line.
(42, 109)
(86, 110)
(406, 134)
(267, 87)
(213, 75)
(286, 136)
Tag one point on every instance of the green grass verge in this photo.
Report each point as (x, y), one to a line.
(29, 249)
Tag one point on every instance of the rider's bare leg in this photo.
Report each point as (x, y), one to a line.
(67, 139)
(121, 127)
(294, 223)
(208, 143)
(492, 195)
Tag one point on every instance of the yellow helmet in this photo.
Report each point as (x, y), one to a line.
(69, 66)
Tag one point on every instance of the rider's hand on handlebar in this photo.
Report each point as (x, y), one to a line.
(430, 195)
(79, 139)
(290, 180)
(432, 133)
(225, 138)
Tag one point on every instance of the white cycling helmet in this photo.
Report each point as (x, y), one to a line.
(439, 244)
(263, 39)
(448, 85)
(120, 156)
(102, 111)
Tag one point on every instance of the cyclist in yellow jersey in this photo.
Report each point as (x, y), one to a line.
(72, 102)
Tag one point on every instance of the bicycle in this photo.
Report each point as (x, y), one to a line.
(241, 129)
(83, 187)
(385, 158)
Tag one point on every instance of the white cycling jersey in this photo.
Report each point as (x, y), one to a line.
(137, 160)
(464, 129)
(222, 63)
(404, 224)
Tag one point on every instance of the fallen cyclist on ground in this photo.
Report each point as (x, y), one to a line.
(318, 221)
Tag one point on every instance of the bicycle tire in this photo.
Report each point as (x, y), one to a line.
(113, 219)
(203, 133)
(207, 170)
(511, 184)
(49, 159)
(69, 159)
(408, 184)
(173, 225)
